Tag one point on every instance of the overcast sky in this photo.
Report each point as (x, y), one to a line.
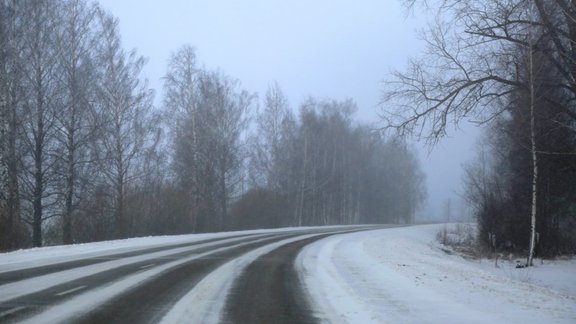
(334, 49)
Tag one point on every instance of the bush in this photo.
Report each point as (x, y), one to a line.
(259, 208)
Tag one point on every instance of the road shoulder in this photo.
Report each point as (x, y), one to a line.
(401, 275)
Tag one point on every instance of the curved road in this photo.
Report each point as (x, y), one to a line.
(246, 278)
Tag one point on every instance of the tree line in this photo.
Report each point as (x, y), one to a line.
(509, 65)
(85, 155)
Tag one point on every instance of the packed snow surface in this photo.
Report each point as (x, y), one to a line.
(401, 275)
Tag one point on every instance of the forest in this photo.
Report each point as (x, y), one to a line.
(87, 155)
(509, 66)
(89, 151)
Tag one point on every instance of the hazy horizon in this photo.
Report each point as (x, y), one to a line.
(324, 49)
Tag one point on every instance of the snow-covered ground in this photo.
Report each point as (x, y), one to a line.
(401, 275)
(395, 275)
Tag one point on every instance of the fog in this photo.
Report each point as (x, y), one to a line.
(326, 49)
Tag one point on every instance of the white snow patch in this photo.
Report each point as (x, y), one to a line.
(400, 275)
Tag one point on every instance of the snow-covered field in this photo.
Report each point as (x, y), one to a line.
(401, 275)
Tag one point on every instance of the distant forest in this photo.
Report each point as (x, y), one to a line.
(86, 156)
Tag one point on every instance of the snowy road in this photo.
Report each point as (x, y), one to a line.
(145, 282)
(306, 275)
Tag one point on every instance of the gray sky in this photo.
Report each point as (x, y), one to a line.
(325, 48)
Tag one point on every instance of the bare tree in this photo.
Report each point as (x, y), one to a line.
(471, 63)
(266, 149)
(533, 146)
(181, 102)
(211, 118)
(78, 134)
(225, 111)
(39, 78)
(125, 109)
(475, 63)
(76, 40)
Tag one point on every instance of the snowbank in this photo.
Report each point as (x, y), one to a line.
(401, 275)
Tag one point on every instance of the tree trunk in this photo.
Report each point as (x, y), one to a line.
(121, 226)
(534, 190)
(13, 199)
(300, 203)
(223, 202)
(38, 167)
(5, 219)
(534, 159)
(70, 180)
(37, 200)
(67, 237)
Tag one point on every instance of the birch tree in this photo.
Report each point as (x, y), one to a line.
(76, 40)
(181, 102)
(211, 118)
(533, 146)
(38, 122)
(125, 109)
(225, 110)
(266, 150)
